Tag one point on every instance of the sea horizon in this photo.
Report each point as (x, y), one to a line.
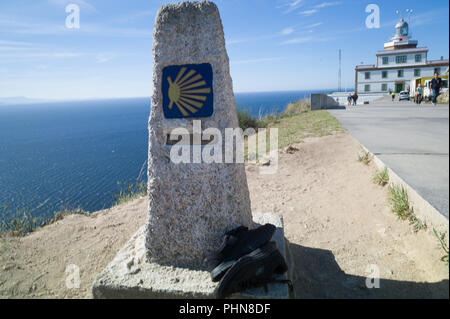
(31, 100)
(72, 154)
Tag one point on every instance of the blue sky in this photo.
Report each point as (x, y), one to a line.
(273, 45)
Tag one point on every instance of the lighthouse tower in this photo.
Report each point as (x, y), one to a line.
(401, 39)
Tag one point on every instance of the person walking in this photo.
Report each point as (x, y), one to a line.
(436, 85)
(419, 94)
(355, 98)
(349, 99)
(393, 96)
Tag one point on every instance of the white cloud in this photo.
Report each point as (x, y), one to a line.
(327, 4)
(38, 55)
(287, 31)
(12, 48)
(14, 43)
(305, 40)
(313, 25)
(136, 16)
(10, 24)
(82, 3)
(425, 18)
(235, 41)
(282, 33)
(105, 57)
(308, 12)
(291, 6)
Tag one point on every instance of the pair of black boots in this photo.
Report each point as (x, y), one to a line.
(247, 258)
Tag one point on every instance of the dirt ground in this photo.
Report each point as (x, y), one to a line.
(337, 223)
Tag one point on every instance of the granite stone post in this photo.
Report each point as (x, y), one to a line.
(191, 205)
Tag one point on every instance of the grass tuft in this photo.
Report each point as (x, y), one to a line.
(399, 203)
(398, 198)
(297, 107)
(130, 191)
(246, 120)
(443, 245)
(364, 158)
(21, 222)
(382, 177)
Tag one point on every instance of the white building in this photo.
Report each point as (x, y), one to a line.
(399, 62)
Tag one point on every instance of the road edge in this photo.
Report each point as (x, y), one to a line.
(422, 208)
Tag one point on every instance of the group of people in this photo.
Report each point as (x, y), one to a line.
(352, 99)
(435, 87)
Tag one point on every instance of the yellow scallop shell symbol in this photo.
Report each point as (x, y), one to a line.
(187, 91)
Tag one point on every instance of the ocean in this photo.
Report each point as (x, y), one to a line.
(66, 155)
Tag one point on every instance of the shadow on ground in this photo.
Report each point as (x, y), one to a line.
(317, 275)
(338, 107)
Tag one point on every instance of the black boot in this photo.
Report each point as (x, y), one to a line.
(255, 269)
(240, 244)
(229, 240)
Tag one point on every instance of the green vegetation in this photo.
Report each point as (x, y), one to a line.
(398, 198)
(399, 203)
(364, 158)
(20, 222)
(296, 127)
(297, 107)
(382, 177)
(294, 124)
(130, 192)
(246, 120)
(443, 245)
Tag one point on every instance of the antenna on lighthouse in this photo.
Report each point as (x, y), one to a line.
(339, 74)
(409, 11)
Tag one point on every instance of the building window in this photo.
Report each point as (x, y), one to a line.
(367, 75)
(384, 87)
(385, 60)
(418, 57)
(384, 74)
(416, 72)
(400, 59)
(367, 88)
(437, 70)
(400, 73)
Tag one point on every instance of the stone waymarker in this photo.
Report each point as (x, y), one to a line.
(191, 205)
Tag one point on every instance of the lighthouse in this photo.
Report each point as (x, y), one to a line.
(401, 39)
(401, 61)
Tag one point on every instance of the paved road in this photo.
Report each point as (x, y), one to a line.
(411, 140)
